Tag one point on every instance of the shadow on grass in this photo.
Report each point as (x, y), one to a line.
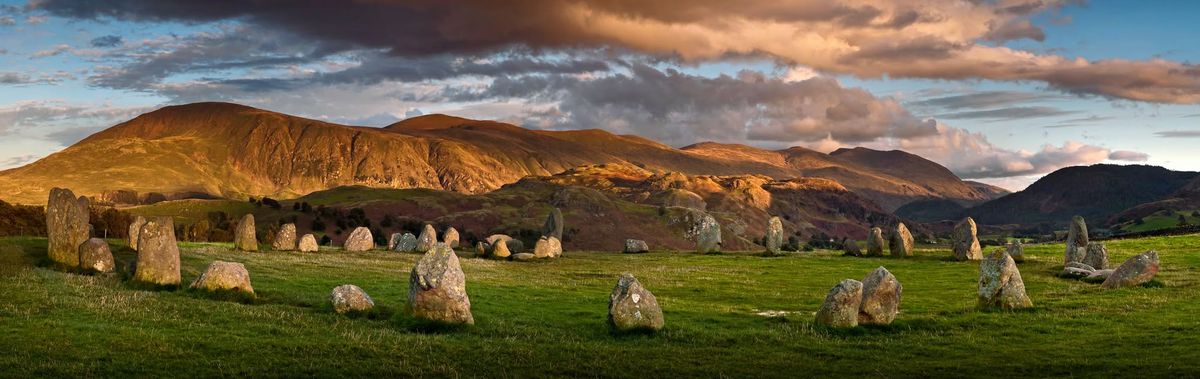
(423, 326)
(234, 296)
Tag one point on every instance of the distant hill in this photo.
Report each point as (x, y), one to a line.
(1185, 201)
(1095, 192)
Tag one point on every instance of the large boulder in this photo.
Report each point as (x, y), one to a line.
(285, 239)
(707, 233)
(547, 247)
(633, 246)
(500, 250)
(1136, 270)
(841, 306)
(880, 298)
(135, 228)
(406, 244)
(1000, 284)
(348, 298)
(632, 307)
(901, 243)
(158, 253)
(245, 237)
(66, 227)
(224, 276)
(437, 288)
(427, 239)
(450, 237)
(966, 243)
(774, 237)
(1096, 255)
(1016, 251)
(308, 244)
(554, 225)
(1077, 240)
(95, 256)
(359, 240)
(875, 242)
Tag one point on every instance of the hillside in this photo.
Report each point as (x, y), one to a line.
(232, 151)
(1095, 192)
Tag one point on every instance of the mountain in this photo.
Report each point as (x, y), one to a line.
(1187, 199)
(234, 151)
(1095, 192)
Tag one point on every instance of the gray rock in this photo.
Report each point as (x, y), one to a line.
(774, 237)
(1096, 255)
(1077, 240)
(1136, 270)
(547, 247)
(513, 245)
(1016, 251)
(901, 243)
(349, 298)
(966, 243)
(394, 240)
(285, 239)
(66, 227)
(245, 236)
(359, 240)
(1079, 265)
(406, 244)
(875, 242)
(224, 276)
(554, 224)
(632, 307)
(450, 237)
(841, 306)
(308, 244)
(134, 229)
(881, 294)
(1101, 275)
(427, 239)
(522, 257)
(437, 288)
(158, 253)
(96, 257)
(707, 233)
(633, 246)
(1000, 283)
(1075, 273)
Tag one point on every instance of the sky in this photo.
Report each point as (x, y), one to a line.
(1000, 91)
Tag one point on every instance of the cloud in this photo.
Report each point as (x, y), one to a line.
(982, 99)
(1013, 113)
(35, 19)
(107, 41)
(941, 39)
(1179, 134)
(1080, 121)
(7, 21)
(970, 155)
(18, 78)
(56, 50)
(55, 116)
(1128, 156)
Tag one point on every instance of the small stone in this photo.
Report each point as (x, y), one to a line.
(632, 307)
(1136, 270)
(966, 243)
(349, 298)
(134, 229)
(427, 239)
(881, 294)
(547, 247)
(1077, 240)
(554, 225)
(708, 234)
(285, 239)
(1016, 251)
(522, 257)
(1000, 284)
(875, 242)
(450, 237)
(359, 240)
(774, 237)
(308, 244)
(224, 276)
(67, 226)
(158, 253)
(841, 306)
(406, 244)
(1075, 273)
(437, 288)
(633, 246)
(902, 241)
(245, 237)
(96, 257)
(1096, 255)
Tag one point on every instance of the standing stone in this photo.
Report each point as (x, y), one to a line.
(95, 256)
(348, 298)
(450, 237)
(1136, 270)
(135, 228)
(285, 239)
(633, 246)
(966, 243)
(1000, 284)
(547, 247)
(437, 288)
(481, 249)
(158, 253)
(708, 234)
(245, 238)
(554, 224)
(875, 242)
(500, 250)
(66, 226)
(308, 244)
(427, 239)
(1096, 255)
(1016, 251)
(224, 276)
(880, 298)
(406, 244)
(1077, 240)
(774, 237)
(359, 240)
(632, 307)
(840, 309)
(902, 241)
(394, 240)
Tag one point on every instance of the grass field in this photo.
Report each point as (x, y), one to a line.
(548, 319)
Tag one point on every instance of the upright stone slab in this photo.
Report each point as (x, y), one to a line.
(1136, 270)
(633, 246)
(66, 227)
(966, 243)
(450, 237)
(308, 244)
(245, 238)
(96, 257)
(437, 288)
(632, 307)
(427, 239)
(547, 247)
(774, 237)
(875, 242)
(1016, 251)
(1077, 240)
(1000, 284)
(708, 234)
(880, 298)
(840, 309)
(554, 224)
(394, 240)
(500, 250)
(285, 239)
(135, 228)
(224, 276)
(1096, 255)
(901, 244)
(359, 240)
(158, 253)
(406, 244)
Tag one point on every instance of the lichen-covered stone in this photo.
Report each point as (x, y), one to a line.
(224, 276)
(349, 298)
(66, 226)
(285, 239)
(1077, 240)
(774, 237)
(450, 237)
(881, 294)
(359, 240)
(406, 244)
(308, 244)
(875, 242)
(901, 243)
(632, 307)
(96, 257)
(158, 253)
(966, 243)
(393, 240)
(1136, 270)
(437, 288)
(245, 237)
(1016, 251)
(547, 247)
(135, 228)
(633, 246)
(1000, 283)
(1096, 255)
(841, 306)
(708, 234)
(427, 239)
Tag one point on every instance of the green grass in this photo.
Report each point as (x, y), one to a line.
(1160, 220)
(730, 315)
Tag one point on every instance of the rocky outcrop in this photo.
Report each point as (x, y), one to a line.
(632, 307)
